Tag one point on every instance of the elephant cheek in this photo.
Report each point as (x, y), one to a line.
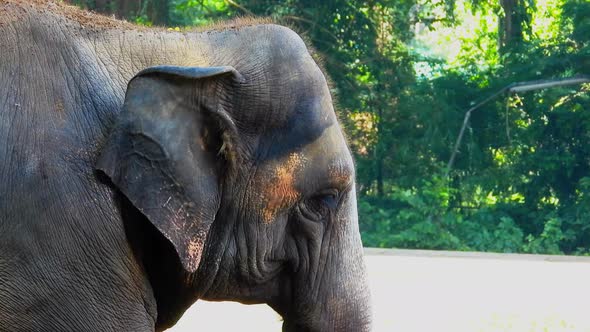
(279, 191)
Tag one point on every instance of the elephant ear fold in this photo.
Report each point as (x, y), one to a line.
(163, 151)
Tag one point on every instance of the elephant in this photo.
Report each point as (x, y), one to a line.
(143, 169)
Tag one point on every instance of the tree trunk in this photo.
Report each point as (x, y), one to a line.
(128, 8)
(159, 12)
(510, 26)
(102, 6)
(379, 152)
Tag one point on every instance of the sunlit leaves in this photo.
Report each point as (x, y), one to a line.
(198, 12)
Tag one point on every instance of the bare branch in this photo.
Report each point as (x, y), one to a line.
(242, 8)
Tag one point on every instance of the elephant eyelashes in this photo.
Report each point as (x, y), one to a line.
(319, 206)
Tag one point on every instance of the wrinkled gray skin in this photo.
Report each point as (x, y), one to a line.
(222, 175)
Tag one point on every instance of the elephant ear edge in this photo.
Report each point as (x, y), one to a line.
(162, 157)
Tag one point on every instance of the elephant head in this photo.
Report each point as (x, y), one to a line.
(243, 168)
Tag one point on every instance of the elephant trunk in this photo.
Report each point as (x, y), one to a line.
(345, 308)
(340, 301)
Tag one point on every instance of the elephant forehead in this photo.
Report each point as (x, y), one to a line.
(341, 174)
(330, 152)
(276, 185)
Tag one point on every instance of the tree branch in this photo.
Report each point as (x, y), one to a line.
(242, 8)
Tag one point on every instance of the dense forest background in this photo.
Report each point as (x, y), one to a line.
(404, 73)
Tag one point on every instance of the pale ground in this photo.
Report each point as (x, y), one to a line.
(427, 291)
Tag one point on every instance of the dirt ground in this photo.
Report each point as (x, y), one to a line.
(425, 291)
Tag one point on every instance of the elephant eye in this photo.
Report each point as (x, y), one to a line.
(319, 206)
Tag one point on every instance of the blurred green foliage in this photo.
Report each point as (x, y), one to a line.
(404, 73)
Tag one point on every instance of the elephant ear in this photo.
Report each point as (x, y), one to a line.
(163, 153)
